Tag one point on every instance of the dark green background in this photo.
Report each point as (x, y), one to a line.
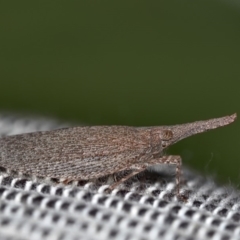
(128, 62)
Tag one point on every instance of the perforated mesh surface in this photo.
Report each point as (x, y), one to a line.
(143, 208)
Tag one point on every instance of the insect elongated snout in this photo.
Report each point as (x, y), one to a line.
(172, 134)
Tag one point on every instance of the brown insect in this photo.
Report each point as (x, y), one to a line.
(83, 153)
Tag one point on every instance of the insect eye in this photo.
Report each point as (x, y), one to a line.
(164, 144)
(166, 135)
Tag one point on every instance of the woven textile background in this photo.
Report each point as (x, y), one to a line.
(145, 207)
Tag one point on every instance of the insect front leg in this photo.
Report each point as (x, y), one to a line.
(175, 160)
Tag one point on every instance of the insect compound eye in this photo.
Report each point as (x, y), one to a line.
(164, 144)
(166, 135)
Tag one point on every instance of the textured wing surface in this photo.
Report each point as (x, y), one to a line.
(73, 153)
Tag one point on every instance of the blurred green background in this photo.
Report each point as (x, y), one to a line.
(131, 63)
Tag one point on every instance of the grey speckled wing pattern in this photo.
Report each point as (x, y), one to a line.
(76, 153)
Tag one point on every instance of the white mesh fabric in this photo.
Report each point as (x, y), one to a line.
(143, 208)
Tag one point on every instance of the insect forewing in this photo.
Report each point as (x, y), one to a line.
(73, 153)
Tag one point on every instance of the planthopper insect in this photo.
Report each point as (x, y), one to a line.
(90, 152)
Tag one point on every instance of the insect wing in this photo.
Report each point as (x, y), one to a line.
(71, 153)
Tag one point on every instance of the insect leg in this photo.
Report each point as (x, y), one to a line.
(171, 159)
(133, 173)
